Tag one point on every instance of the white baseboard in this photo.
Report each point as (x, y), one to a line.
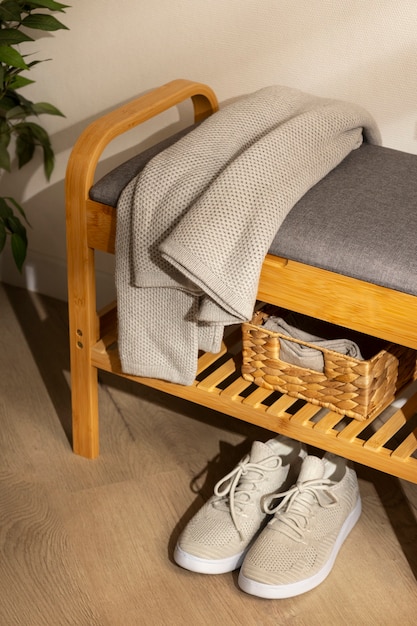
(48, 276)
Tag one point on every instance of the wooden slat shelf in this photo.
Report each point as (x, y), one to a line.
(222, 389)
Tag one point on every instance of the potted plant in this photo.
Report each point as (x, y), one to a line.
(20, 133)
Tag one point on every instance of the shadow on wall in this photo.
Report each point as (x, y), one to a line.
(45, 266)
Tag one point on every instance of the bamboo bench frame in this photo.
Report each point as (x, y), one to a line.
(348, 302)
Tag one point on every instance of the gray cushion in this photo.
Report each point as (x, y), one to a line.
(108, 189)
(360, 220)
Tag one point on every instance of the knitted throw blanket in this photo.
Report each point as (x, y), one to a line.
(193, 228)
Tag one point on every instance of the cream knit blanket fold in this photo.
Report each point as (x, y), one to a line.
(193, 228)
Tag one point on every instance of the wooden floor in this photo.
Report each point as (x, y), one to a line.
(91, 542)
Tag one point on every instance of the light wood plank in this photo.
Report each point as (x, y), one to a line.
(232, 391)
(328, 422)
(211, 382)
(280, 406)
(355, 428)
(407, 447)
(352, 303)
(257, 397)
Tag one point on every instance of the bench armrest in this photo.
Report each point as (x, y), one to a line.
(92, 142)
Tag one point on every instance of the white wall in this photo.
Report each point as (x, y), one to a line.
(360, 51)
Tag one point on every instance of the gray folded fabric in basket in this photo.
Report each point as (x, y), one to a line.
(306, 356)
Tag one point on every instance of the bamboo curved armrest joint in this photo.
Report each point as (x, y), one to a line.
(96, 137)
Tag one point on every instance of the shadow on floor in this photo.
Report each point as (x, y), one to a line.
(398, 510)
(44, 323)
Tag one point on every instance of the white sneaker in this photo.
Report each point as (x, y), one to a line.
(217, 538)
(297, 549)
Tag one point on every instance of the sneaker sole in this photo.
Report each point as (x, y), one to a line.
(208, 566)
(263, 590)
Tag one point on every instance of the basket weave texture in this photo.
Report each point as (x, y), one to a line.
(359, 389)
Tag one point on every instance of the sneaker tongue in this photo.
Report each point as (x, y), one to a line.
(311, 469)
(260, 451)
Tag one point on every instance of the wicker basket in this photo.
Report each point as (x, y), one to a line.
(357, 388)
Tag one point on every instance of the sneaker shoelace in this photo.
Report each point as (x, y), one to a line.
(234, 491)
(294, 511)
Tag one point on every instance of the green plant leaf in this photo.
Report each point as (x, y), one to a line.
(10, 11)
(5, 210)
(12, 224)
(24, 108)
(19, 81)
(19, 249)
(33, 63)
(17, 206)
(16, 113)
(45, 107)
(37, 131)
(11, 36)
(15, 226)
(10, 56)
(2, 235)
(49, 4)
(28, 138)
(21, 100)
(43, 22)
(48, 160)
(25, 148)
(4, 133)
(8, 102)
(4, 158)
(29, 135)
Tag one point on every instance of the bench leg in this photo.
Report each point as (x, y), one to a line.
(83, 334)
(84, 395)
